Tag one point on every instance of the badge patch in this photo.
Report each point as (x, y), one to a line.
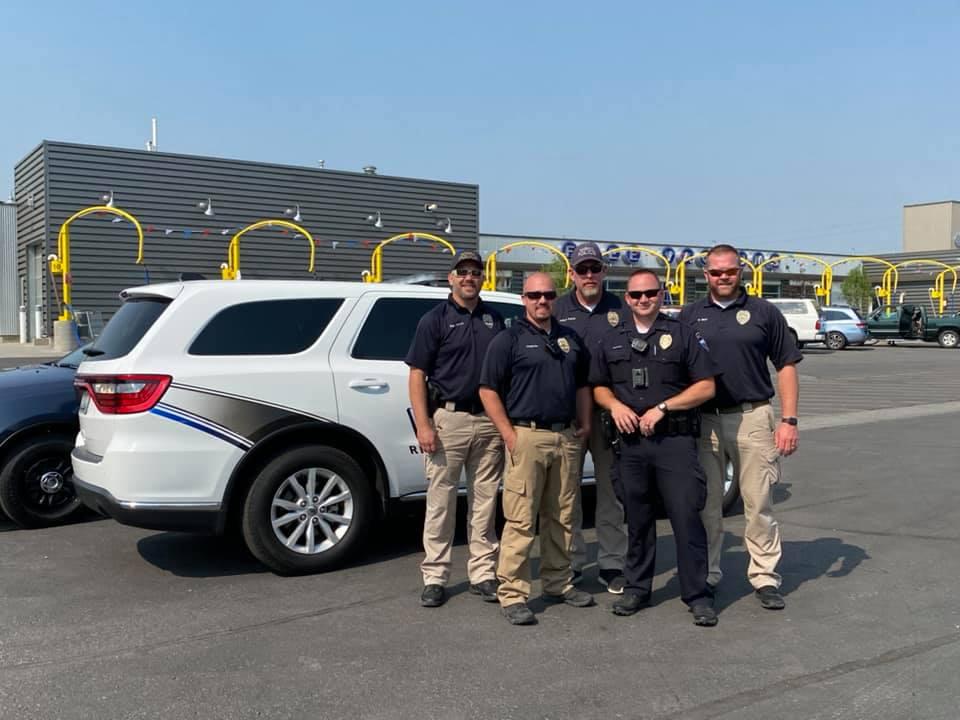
(666, 340)
(564, 344)
(613, 317)
(488, 320)
(743, 317)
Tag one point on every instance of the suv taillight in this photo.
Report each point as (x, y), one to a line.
(861, 325)
(124, 394)
(817, 326)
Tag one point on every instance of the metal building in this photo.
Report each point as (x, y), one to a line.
(347, 213)
(9, 290)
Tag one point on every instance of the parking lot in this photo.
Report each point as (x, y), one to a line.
(100, 620)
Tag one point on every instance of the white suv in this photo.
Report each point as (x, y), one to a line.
(803, 318)
(280, 407)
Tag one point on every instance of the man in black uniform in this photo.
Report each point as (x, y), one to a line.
(738, 424)
(454, 433)
(651, 373)
(534, 386)
(591, 311)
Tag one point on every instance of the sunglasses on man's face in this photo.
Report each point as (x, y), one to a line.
(464, 272)
(727, 272)
(589, 268)
(537, 294)
(637, 294)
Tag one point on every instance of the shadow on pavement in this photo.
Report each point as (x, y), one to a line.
(198, 556)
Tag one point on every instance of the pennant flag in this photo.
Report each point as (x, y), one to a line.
(117, 219)
(225, 231)
(366, 243)
(433, 246)
(205, 232)
(187, 232)
(168, 231)
(284, 231)
(334, 244)
(149, 228)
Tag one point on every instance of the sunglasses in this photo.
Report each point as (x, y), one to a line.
(637, 294)
(471, 272)
(728, 272)
(588, 268)
(537, 294)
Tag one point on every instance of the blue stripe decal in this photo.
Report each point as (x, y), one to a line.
(209, 424)
(198, 426)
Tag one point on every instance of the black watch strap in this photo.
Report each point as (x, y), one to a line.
(789, 421)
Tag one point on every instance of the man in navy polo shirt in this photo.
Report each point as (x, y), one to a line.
(743, 332)
(590, 311)
(534, 388)
(454, 433)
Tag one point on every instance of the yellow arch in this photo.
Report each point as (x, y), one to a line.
(819, 289)
(937, 291)
(230, 270)
(375, 273)
(884, 292)
(648, 251)
(490, 281)
(679, 286)
(60, 263)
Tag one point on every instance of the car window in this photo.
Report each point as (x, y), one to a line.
(266, 327)
(835, 315)
(126, 328)
(792, 308)
(389, 328)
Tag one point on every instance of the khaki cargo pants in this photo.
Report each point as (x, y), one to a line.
(471, 444)
(746, 438)
(542, 480)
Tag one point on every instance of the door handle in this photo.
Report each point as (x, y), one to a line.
(368, 383)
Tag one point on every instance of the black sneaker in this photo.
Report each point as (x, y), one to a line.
(629, 604)
(577, 577)
(573, 597)
(433, 596)
(487, 590)
(703, 613)
(770, 598)
(613, 581)
(518, 614)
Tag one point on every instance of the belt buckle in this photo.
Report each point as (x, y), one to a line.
(450, 406)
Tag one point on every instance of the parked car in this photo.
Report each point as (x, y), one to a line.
(277, 407)
(803, 316)
(913, 322)
(38, 424)
(843, 326)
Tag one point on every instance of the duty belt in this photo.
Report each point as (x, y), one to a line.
(740, 407)
(474, 407)
(542, 425)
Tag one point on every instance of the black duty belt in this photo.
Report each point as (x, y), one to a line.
(543, 425)
(740, 407)
(474, 407)
(683, 422)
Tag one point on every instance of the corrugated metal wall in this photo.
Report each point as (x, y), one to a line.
(162, 190)
(30, 192)
(9, 287)
(916, 280)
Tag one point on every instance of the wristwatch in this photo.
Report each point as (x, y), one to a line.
(662, 407)
(789, 421)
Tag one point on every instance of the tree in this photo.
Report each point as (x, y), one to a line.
(857, 290)
(557, 270)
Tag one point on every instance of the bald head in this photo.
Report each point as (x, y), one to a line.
(538, 281)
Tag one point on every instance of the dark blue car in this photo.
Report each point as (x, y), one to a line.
(38, 426)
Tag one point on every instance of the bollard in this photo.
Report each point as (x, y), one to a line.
(24, 330)
(39, 330)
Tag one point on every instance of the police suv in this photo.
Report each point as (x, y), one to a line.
(277, 407)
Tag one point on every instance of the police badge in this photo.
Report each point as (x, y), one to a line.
(488, 320)
(613, 317)
(666, 340)
(743, 317)
(564, 344)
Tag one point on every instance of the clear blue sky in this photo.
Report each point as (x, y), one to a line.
(772, 125)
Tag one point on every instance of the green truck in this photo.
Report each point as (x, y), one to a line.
(914, 322)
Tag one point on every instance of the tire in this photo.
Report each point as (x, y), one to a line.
(948, 338)
(835, 340)
(731, 490)
(36, 484)
(318, 542)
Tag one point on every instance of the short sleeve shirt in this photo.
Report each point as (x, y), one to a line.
(590, 325)
(536, 374)
(741, 338)
(450, 344)
(670, 358)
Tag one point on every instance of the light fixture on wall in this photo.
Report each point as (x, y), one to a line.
(431, 207)
(107, 199)
(294, 213)
(207, 207)
(321, 164)
(375, 219)
(446, 224)
(369, 169)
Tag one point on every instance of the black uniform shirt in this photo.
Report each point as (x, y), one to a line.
(590, 325)
(536, 375)
(674, 359)
(449, 346)
(741, 337)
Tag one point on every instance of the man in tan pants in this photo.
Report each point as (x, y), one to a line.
(455, 435)
(744, 332)
(534, 386)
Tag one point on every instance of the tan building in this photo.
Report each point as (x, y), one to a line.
(931, 226)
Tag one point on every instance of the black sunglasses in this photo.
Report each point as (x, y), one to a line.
(472, 272)
(728, 272)
(583, 269)
(637, 294)
(537, 294)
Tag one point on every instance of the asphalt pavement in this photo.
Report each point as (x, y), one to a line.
(100, 620)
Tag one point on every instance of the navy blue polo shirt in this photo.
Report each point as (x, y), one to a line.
(674, 359)
(741, 338)
(590, 325)
(536, 374)
(449, 346)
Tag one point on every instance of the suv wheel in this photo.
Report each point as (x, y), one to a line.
(836, 340)
(308, 511)
(36, 485)
(948, 338)
(731, 488)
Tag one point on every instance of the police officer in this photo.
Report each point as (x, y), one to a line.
(590, 311)
(534, 387)
(651, 373)
(743, 333)
(454, 433)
